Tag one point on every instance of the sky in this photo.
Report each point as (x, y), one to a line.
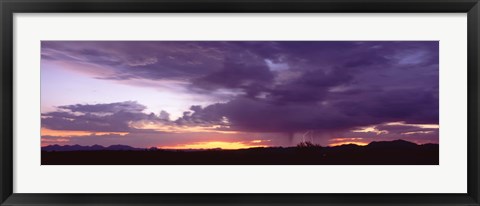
(238, 94)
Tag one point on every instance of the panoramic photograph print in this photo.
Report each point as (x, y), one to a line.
(239, 103)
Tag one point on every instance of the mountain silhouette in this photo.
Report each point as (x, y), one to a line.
(64, 148)
(391, 144)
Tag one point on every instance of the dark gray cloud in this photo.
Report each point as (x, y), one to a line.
(129, 107)
(113, 117)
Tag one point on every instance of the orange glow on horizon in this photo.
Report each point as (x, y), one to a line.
(70, 133)
(352, 142)
(347, 140)
(46, 142)
(213, 145)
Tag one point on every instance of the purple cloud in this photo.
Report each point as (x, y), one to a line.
(113, 117)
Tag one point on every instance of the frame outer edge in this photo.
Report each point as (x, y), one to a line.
(6, 92)
(6, 103)
(473, 93)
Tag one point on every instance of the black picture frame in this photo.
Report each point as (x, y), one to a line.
(10, 7)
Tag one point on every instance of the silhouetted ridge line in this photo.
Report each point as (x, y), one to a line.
(392, 144)
(303, 145)
(397, 152)
(95, 147)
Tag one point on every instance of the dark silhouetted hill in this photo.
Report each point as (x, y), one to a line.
(58, 148)
(402, 144)
(398, 152)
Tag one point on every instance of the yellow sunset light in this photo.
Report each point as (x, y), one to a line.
(213, 145)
